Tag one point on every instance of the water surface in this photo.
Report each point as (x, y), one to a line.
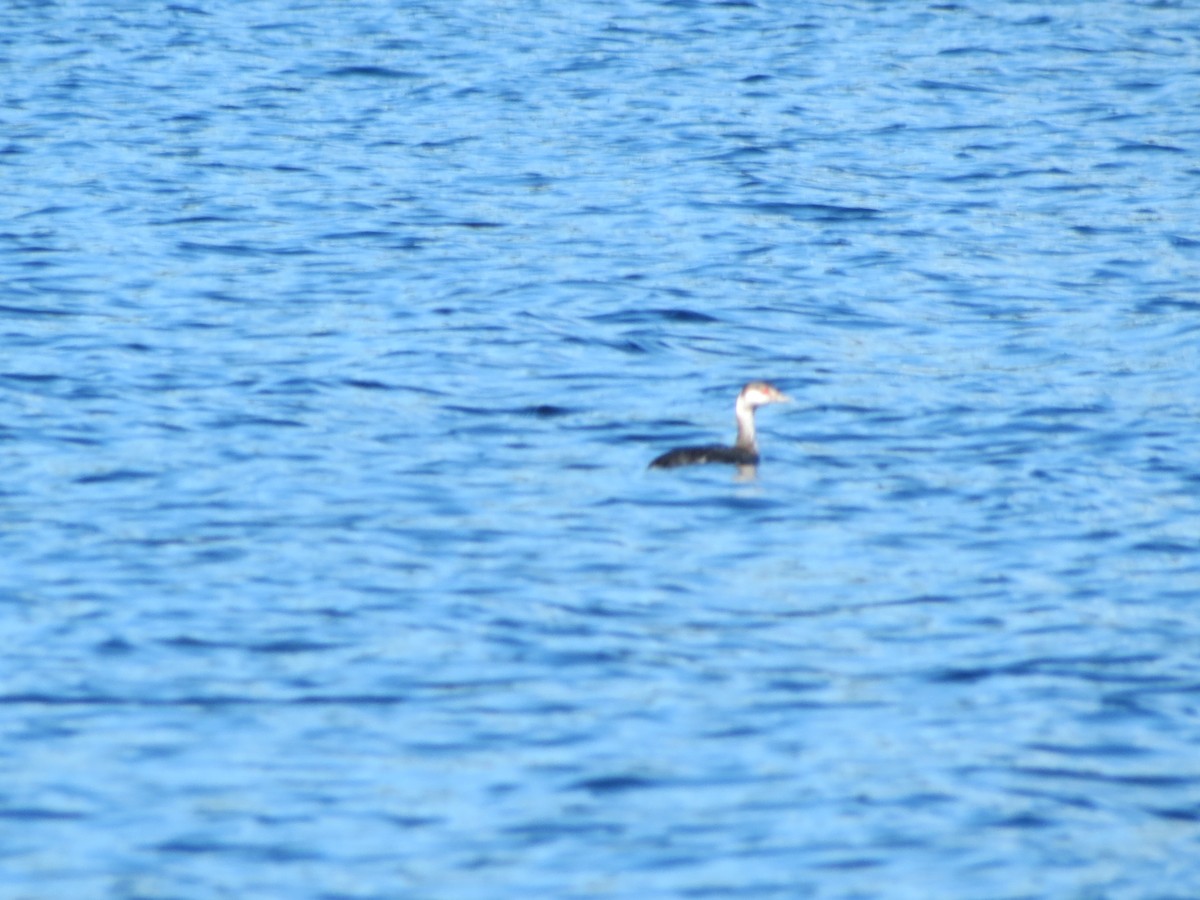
(334, 342)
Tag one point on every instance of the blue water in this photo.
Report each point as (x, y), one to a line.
(335, 339)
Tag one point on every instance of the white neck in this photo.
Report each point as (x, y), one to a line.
(744, 412)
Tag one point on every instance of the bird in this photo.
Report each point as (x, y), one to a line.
(744, 451)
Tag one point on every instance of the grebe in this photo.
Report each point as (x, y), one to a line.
(745, 451)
